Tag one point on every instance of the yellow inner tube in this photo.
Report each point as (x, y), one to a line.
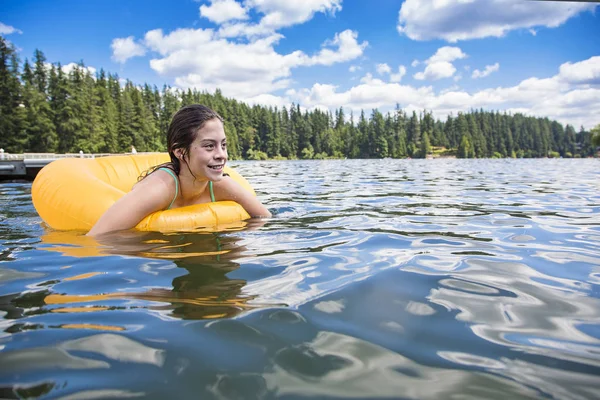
(72, 194)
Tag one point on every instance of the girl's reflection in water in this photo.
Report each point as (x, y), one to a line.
(205, 291)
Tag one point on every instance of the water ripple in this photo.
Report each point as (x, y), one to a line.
(429, 278)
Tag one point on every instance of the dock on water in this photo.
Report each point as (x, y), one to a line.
(26, 166)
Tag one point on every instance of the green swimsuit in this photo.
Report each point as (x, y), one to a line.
(170, 172)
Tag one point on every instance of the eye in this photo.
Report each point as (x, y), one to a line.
(224, 145)
(209, 146)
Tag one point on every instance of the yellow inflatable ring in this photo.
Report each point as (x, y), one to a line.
(72, 194)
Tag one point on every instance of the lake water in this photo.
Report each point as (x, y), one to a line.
(417, 279)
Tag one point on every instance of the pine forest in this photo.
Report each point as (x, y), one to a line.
(44, 109)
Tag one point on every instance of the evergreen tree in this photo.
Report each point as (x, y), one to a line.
(127, 136)
(465, 149)
(477, 140)
(583, 143)
(450, 131)
(108, 115)
(57, 93)
(40, 74)
(362, 136)
(427, 123)
(262, 125)
(425, 147)
(84, 122)
(341, 135)
(596, 136)
(558, 134)
(499, 137)
(304, 132)
(389, 134)
(274, 135)
(169, 106)
(462, 129)
(569, 141)
(13, 137)
(439, 139)
(414, 134)
(288, 149)
(378, 145)
(39, 127)
(352, 147)
(233, 146)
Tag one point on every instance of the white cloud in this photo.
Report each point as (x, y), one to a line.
(242, 29)
(71, 66)
(268, 100)
(178, 40)
(348, 48)
(473, 19)
(452, 88)
(584, 72)
(221, 11)
(446, 53)
(398, 77)
(125, 48)
(369, 80)
(370, 93)
(440, 65)
(567, 97)
(7, 29)
(435, 71)
(415, 63)
(278, 14)
(383, 69)
(354, 68)
(202, 59)
(281, 13)
(488, 70)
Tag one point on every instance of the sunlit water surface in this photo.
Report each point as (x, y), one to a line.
(376, 278)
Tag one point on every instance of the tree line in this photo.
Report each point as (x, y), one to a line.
(45, 109)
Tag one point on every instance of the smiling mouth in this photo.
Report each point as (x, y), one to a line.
(216, 167)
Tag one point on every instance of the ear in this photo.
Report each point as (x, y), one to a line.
(178, 153)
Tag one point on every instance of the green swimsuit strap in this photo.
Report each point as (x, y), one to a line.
(210, 189)
(170, 172)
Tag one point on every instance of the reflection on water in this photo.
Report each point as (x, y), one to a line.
(419, 279)
(202, 291)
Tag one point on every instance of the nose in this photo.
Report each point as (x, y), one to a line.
(220, 153)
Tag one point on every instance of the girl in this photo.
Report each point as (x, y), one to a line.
(197, 146)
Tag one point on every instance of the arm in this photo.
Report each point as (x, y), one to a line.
(153, 193)
(229, 189)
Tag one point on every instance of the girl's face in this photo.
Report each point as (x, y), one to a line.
(208, 152)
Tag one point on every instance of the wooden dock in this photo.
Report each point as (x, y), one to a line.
(27, 165)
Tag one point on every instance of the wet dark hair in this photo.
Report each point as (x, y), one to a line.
(182, 132)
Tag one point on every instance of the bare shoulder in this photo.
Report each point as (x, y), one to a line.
(156, 190)
(160, 175)
(157, 182)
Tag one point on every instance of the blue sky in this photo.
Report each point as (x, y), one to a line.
(541, 58)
